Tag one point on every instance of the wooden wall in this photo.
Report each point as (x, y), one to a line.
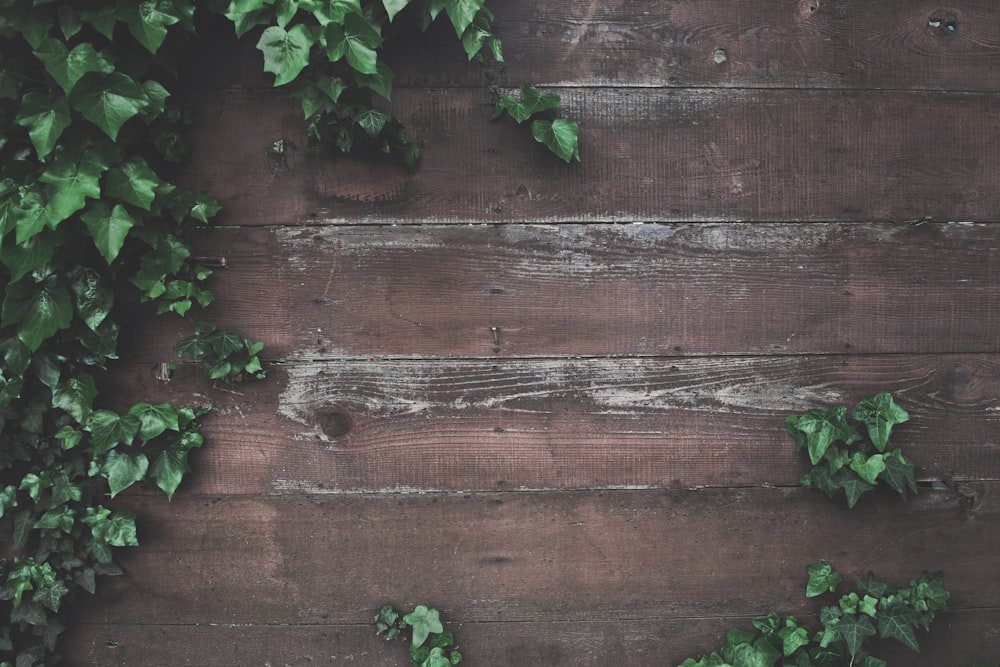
(782, 204)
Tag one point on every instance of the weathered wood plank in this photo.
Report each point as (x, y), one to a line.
(372, 426)
(648, 155)
(957, 638)
(530, 557)
(764, 43)
(652, 290)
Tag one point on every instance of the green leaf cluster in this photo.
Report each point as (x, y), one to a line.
(330, 52)
(851, 460)
(430, 644)
(873, 609)
(87, 132)
(224, 355)
(559, 135)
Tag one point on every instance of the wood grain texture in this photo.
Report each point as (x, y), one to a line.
(968, 636)
(689, 155)
(767, 43)
(348, 427)
(596, 290)
(529, 558)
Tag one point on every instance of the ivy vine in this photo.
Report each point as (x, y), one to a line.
(88, 215)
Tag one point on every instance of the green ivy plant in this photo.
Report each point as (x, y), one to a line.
(847, 459)
(430, 644)
(558, 134)
(330, 54)
(874, 608)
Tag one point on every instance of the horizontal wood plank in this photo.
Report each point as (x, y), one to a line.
(349, 427)
(568, 557)
(648, 155)
(957, 637)
(595, 290)
(724, 43)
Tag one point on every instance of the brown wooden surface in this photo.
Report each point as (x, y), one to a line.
(607, 481)
(651, 290)
(528, 560)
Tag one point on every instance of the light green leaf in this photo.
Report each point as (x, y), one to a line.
(133, 182)
(816, 430)
(108, 429)
(46, 118)
(822, 579)
(71, 183)
(286, 53)
(356, 39)
(867, 467)
(532, 101)
(76, 396)
(880, 413)
(148, 21)
(204, 207)
(462, 13)
(115, 528)
(108, 101)
(57, 519)
(169, 469)
(393, 7)
(124, 470)
(559, 135)
(424, 621)
(109, 228)
(331, 11)
(68, 67)
(154, 419)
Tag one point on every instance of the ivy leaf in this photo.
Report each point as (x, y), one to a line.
(108, 227)
(286, 52)
(154, 419)
(424, 621)
(46, 118)
(71, 183)
(75, 396)
(316, 95)
(356, 40)
(23, 258)
(462, 13)
(115, 528)
(560, 135)
(867, 467)
(854, 629)
(108, 429)
(879, 413)
(124, 470)
(148, 21)
(477, 35)
(898, 621)
(822, 579)
(204, 207)
(108, 100)
(92, 296)
(852, 484)
(133, 182)
(532, 101)
(393, 7)
(103, 18)
(816, 430)
(331, 11)
(51, 594)
(372, 121)
(380, 81)
(873, 586)
(168, 470)
(40, 310)
(68, 67)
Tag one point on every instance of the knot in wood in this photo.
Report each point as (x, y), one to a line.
(335, 422)
(943, 22)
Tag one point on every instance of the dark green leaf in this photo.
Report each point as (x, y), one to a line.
(92, 296)
(76, 396)
(854, 487)
(331, 11)
(46, 118)
(109, 228)
(124, 470)
(204, 207)
(108, 100)
(103, 18)
(462, 13)
(71, 183)
(880, 413)
(23, 258)
(39, 310)
(133, 182)
(356, 40)
(59, 519)
(873, 586)
(168, 470)
(154, 419)
(899, 473)
(559, 135)
(286, 53)
(380, 81)
(899, 622)
(148, 22)
(816, 430)
(108, 429)
(372, 121)
(393, 7)
(68, 67)
(855, 630)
